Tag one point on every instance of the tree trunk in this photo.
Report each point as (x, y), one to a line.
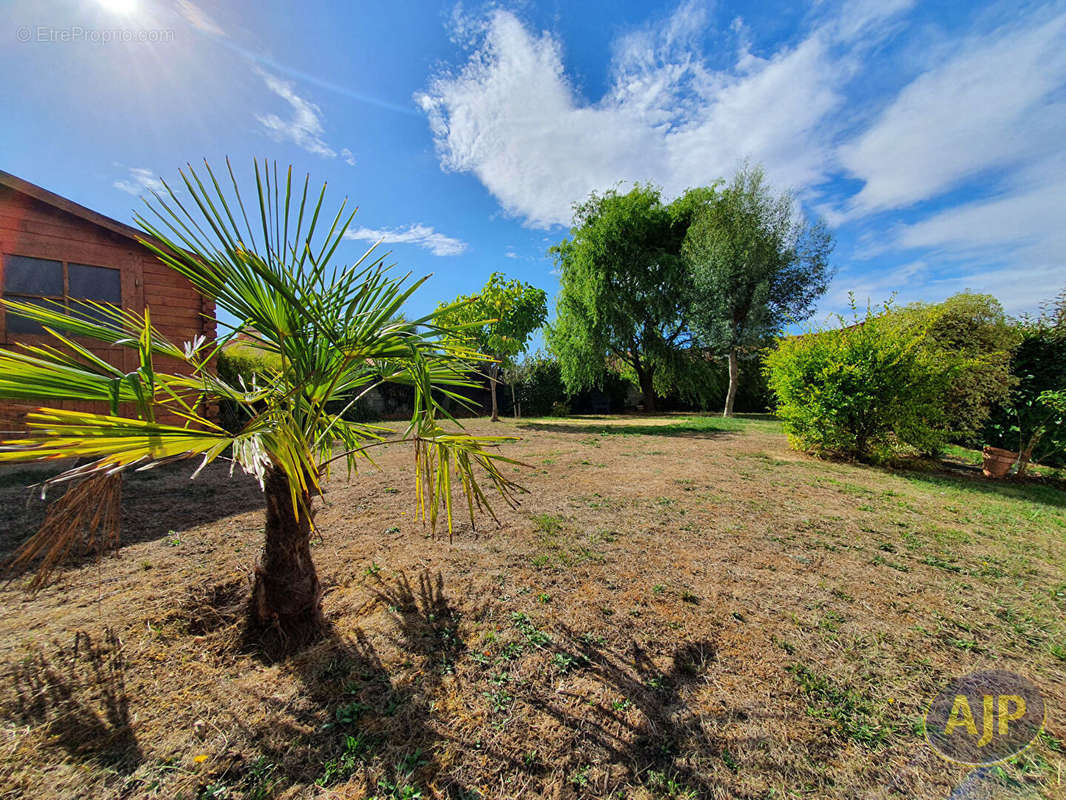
(493, 375)
(286, 597)
(514, 403)
(647, 389)
(731, 393)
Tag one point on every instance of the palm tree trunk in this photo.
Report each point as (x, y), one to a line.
(731, 393)
(286, 597)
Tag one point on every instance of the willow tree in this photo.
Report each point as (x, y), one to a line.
(624, 295)
(335, 333)
(497, 321)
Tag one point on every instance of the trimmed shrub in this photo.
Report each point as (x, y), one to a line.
(241, 363)
(860, 391)
(538, 383)
(970, 330)
(539, 389)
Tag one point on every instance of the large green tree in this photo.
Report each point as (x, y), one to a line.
(332, 333)
(755, 264)
(497, 321)
(624, 297)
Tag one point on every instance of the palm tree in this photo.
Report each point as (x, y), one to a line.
(335, 334)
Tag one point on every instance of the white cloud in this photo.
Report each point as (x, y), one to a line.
(418, 234)
(990, 107)
(140, 180)
(348, 156)
(199, 18)
(513, 118)
(303, 128)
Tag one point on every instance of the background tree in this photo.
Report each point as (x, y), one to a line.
(497, 321)
(624, 297)
(754, 264)
(1031, 419)
(332, 333)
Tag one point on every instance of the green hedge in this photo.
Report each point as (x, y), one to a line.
(861, 391)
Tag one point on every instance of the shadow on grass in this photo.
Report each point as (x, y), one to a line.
(155, 504)
(964, 478)
(353, 727)
(653, 732)
(78, 697)
(690, 426)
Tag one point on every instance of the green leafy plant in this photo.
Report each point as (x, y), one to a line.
(335, 332)
(756, 265)
(860, 391)
(497, 321)
(972, 332)
(1030, 419)
(625, 295)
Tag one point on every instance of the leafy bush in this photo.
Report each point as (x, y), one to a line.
(860, 391)
(538, 384)
(243, 364)
(973, 332)
(539, 388)
(1032, 418)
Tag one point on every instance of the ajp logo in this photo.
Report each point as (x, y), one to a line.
(985, 717)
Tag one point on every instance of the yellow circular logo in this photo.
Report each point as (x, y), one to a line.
(985, 717)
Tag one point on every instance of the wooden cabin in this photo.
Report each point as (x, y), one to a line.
(52, 248)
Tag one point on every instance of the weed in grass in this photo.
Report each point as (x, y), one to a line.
(372, 570)
(173, 540)
(580, 777)
(851, 714)
(940, 563)
(354, 750)
(877, 560)
(548, 524)
(349, 713)
(392, 529)
(499, 700)
(397, 790)
(658, 588)
(567, 662)
(391, 490)
(667, 786)
(831, 621)
(511, 651)
(543, 598)
(622, 704)
(535, 637)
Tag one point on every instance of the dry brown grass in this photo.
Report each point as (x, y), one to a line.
(674, 611)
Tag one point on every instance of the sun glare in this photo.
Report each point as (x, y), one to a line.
(122, 7)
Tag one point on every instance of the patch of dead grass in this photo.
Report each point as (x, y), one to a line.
(679, 608)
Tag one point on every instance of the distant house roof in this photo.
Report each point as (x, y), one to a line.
(63, 204)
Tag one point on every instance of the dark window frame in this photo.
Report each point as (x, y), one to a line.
(63, 299)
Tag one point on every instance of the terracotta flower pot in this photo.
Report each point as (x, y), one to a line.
(997, 461)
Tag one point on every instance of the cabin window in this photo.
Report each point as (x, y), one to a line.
(43, 282)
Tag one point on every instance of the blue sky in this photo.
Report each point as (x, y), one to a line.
(930, 136)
